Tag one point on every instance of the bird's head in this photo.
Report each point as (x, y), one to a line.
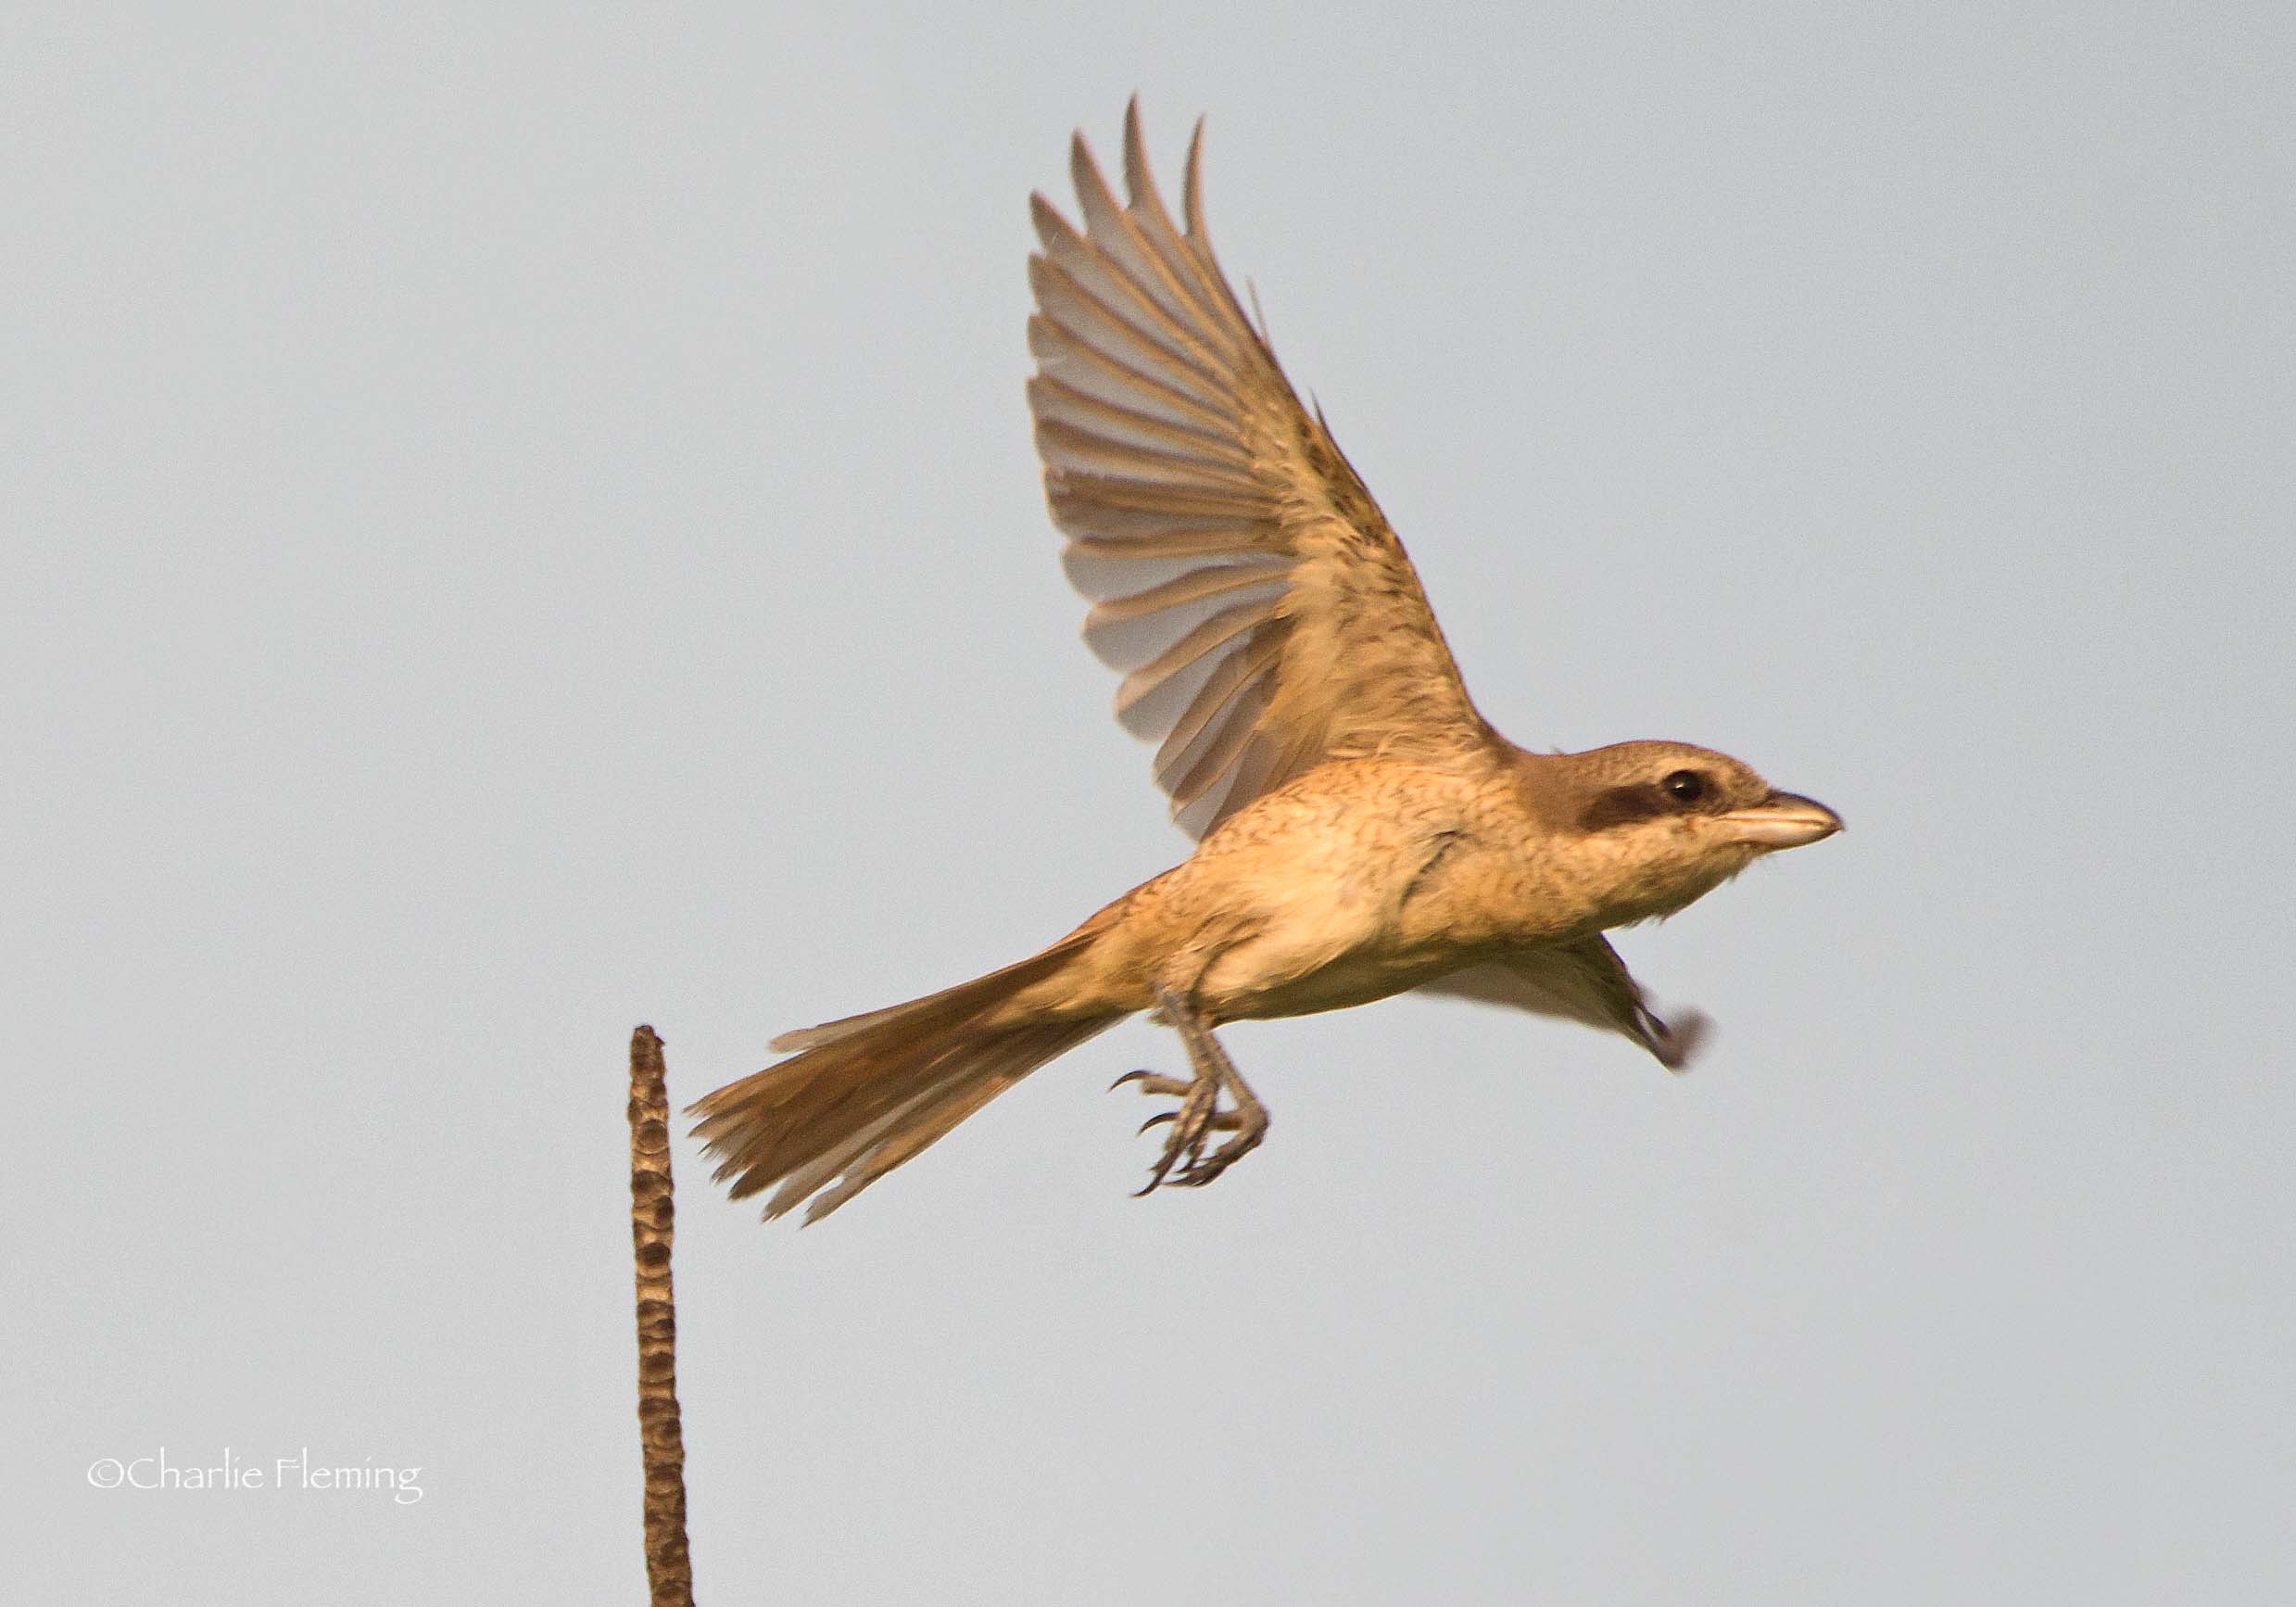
(1668, 823)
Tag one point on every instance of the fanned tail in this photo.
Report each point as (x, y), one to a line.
(868, 1092)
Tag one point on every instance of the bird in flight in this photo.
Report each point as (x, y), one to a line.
(1362, 829)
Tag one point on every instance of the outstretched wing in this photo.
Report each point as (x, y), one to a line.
(1264, 612)
(1579, 981)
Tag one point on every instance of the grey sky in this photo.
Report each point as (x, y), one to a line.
(510, 529)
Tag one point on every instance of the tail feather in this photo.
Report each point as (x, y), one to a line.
(926, 1120)
(864, 1095)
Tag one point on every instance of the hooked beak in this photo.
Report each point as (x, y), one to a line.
(1780, 820)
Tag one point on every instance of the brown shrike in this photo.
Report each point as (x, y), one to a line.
(1363, 829)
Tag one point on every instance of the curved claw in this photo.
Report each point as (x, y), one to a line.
(1156, 1121)
(1129, 1077)
(1200, 1173)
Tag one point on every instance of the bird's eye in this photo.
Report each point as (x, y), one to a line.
(1684, 785)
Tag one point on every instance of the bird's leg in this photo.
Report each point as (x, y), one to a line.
(1199, 1115)
(1248, 1120)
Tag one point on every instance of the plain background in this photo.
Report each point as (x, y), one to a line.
(517, 525)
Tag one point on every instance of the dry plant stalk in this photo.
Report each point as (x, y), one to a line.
(669, 1567)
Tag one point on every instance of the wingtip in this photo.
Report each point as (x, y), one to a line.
(1084, 172)
(1054, 231)
(1139, 184)
(1683, 1040)
(1191, 184)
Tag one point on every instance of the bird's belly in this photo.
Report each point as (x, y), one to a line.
(1266, 978)
(1351, 921)
(1356, 979)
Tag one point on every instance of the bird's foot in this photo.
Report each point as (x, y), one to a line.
(1184, 1163)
